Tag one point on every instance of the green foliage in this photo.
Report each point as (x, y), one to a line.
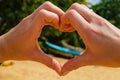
(11, 12)
(110, 10)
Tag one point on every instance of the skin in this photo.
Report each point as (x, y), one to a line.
(102, 39)
(21, 42)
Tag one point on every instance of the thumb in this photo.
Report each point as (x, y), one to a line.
(48, 61)
(85, 59)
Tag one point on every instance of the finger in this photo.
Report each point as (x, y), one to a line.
(50, 7)
(66, 28)
(79, 23)
(83, 60)
(84, 11)
(69, 28)
(44, 17)
(49, 18)
(65, 25)
(48, 61)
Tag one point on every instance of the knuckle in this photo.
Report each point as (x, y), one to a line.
(71, 12)
(47, 16)
(42, 12)
(47, 4)
(75, 5)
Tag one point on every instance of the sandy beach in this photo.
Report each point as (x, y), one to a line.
(30, 70)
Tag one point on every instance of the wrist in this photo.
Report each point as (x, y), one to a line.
(3, 49)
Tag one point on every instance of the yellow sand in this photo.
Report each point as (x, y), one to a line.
(29, 70)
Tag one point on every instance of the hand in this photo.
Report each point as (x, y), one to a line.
(21, 43)
(102, 39)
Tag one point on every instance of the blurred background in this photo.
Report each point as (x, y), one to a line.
(13, 11)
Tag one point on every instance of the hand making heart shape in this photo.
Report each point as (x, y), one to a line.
(21, 42)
